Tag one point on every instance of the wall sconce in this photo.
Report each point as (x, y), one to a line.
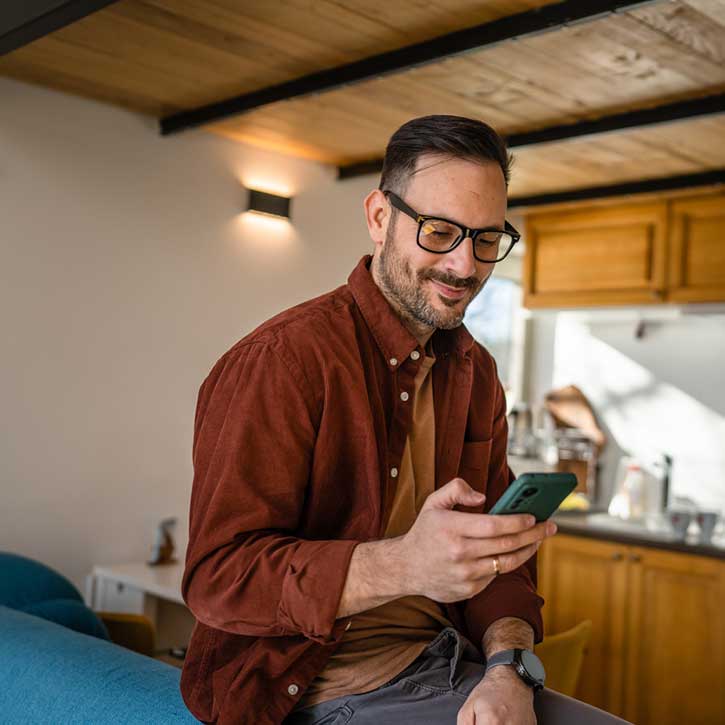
(262, 202)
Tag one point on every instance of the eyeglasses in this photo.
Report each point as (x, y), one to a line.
(440, 236)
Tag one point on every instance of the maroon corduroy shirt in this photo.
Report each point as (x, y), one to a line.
(299, 427)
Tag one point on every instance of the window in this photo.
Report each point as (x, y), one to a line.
(495, 318)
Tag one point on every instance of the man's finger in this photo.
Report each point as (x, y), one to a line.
(486, 526)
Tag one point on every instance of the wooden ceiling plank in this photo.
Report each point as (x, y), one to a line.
(628, 68)
(322, 22)
(274, 42)
(50, 76)
(93, 67)
(561, 76)
(414, 98)
(24, 22)
(222, 52)
(686, 26)
(713, 9)
(316, 123)
(700, 140)
(424, 20)
(490, 93)
(629, 31)
(121, 34)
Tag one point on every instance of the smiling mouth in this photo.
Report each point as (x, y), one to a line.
(453, 292)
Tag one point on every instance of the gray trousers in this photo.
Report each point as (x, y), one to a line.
(433, 688)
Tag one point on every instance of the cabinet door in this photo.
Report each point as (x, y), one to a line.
(676, 639)
(586, 579)
(600, 256)
(697, 244)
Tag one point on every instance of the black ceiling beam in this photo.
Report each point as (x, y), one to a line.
(709, 105)
(666, 113)
(668, 183)
(513, 27)
(23, 21)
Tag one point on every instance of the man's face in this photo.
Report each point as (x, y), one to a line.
(472, 194)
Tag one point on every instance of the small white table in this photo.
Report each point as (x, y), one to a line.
(137, 588)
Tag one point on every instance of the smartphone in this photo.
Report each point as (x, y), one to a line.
(539, 494)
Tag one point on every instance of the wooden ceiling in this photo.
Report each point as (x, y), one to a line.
(162, 57)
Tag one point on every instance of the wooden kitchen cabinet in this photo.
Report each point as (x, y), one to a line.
(599, 256)
(697, 250)
(676, 644)
(657, 654)
(669, 251)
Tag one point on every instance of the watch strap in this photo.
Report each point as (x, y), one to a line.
(505, 657)
(513, 657)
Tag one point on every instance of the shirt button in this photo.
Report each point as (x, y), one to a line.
(393, 360)
(414, 355)
(404, 396)
(394, 472)
(293, 689)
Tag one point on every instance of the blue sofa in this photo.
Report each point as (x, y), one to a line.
(52, 674)
(58, 664)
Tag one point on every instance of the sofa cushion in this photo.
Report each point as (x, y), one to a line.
(52, 674)
(70, 613)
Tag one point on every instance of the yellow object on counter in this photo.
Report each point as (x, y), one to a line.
(575, 502)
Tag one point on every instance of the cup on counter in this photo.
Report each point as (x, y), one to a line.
(707, 521)
(679, 521)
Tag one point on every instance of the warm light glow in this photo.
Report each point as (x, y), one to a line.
(280, 188)
(265, 221)
(264, 235)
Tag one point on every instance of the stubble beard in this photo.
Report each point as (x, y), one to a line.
(407, 291)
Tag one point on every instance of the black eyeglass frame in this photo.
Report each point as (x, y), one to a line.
(399, 204)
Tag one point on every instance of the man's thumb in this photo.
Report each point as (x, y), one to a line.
(454, 492)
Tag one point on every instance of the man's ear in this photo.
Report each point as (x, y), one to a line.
(377, 215)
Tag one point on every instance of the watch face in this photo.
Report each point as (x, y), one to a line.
(533, 666)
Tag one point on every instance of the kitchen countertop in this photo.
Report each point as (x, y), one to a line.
(600, 525)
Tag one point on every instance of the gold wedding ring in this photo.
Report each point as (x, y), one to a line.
(496, 569)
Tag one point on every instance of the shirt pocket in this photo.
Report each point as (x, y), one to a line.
(473, 469)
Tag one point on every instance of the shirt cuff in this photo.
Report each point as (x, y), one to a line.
(312, 588)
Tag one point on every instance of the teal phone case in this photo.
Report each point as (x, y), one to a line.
(539, 494)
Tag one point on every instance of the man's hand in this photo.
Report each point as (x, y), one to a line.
(500, 698)
(449, 554)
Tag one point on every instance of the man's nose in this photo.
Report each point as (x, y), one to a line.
(461, 262)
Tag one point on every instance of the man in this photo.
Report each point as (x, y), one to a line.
(340, 563)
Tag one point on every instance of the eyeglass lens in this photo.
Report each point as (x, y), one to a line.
(437, 235)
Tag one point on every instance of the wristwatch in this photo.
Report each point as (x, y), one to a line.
(525, 662)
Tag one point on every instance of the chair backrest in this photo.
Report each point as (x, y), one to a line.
(562, 655)
(30, 586)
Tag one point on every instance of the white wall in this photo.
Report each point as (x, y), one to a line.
(126, 270)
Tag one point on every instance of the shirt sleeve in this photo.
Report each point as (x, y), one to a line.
(512, 594)
(245, 570)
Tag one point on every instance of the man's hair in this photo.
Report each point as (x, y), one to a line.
(452, 136)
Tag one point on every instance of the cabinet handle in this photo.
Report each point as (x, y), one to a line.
(617, 556)
(658, 294)
(635, 557)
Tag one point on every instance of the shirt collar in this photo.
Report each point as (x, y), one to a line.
(391, 335)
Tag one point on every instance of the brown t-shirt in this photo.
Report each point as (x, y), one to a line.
(383, 641)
